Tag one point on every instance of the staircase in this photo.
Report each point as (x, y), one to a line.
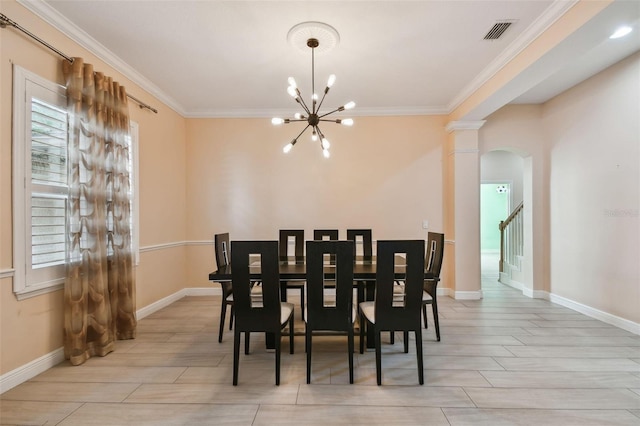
(512, 248)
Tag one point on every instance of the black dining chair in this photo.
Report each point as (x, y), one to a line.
(363, 238)
(326, 234)
(433, 262)
(223, 256)
(283, 252)
(385, 313)
(324, 314)
(330, 234)
(268, 315)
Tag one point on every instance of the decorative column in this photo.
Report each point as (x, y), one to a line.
(462, 210)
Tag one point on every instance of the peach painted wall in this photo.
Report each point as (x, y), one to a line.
(594, 191)
(162, 195)
(518, 129)
(384, 173)
(584, 150)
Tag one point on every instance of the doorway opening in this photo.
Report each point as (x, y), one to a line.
(495, 205)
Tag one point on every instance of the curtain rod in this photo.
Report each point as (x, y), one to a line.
(4, 21)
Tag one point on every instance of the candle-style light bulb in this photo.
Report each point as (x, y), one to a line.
(287, 148)
(292, 92)
(314, 135)
(277, 121)
(349, 105)
(326, 154)
(292, 82)
(347, 121)
(325, 144)
(332, 79)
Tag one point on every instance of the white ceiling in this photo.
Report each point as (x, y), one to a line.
(232, 58)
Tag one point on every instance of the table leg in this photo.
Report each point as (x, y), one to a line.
(270, 339)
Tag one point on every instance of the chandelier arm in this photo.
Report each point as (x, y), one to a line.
(328, 120)
(322, 100)
(303, 104)
(331, 112)
(300, 134)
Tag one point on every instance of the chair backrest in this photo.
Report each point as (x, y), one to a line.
(392, 315)
(320, 315)
(298, 236)
(435, 253)
(363, 235)
(223, 250)
(250, 315)
(331, 234)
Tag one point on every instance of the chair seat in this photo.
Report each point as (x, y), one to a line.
(398, 294)
(285, 312)
(368, 309)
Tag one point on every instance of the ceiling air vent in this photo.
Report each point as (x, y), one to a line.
(497, 30)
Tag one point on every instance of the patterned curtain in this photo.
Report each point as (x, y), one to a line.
(99, 291)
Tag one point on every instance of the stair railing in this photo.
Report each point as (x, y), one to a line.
(511, 237)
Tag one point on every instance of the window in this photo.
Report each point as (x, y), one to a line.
(40, 137)
(39, 183)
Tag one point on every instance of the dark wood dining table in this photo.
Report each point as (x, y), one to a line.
(293, 268)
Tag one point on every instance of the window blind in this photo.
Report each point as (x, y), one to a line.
(48, 184)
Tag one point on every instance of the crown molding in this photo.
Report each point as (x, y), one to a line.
(42, 9)
(452, 126)
(554, 12)
(75, 33)
(357, 112)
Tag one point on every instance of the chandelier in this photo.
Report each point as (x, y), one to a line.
(315, 31)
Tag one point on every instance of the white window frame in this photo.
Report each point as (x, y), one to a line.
(26, 283)
(23, 284)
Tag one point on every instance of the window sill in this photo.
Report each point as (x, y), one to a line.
(38, 291)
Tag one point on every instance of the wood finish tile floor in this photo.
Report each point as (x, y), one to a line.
(503, 360)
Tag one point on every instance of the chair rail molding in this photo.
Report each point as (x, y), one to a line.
(7, 273)
(163, 246)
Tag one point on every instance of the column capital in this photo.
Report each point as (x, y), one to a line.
(452, 126)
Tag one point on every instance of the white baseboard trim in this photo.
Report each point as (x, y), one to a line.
(444, 291)
(535, 294)
(189, 291)
(515, 284)
(25, 372)
(162, 303)
(622, 323)
(203, 291)
(468, 295)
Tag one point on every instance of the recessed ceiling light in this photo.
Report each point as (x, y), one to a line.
(621, 32)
